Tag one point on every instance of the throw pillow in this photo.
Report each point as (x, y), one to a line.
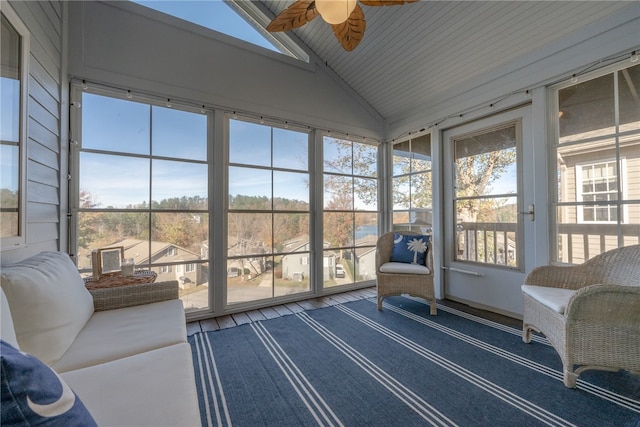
(409, 248)
(49, 303)
(33, 394)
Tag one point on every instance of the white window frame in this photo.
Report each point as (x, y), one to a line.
(19, 241)
(621, 184)
(614, 131)
(189, 268)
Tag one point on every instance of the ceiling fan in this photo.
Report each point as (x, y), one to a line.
(345, 17)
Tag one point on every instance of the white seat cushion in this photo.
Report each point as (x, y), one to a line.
(554, 298)
(49, 303)
(114, 334)
(156, 388)
(404, 268)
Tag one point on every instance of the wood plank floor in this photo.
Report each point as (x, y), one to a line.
(236, 319)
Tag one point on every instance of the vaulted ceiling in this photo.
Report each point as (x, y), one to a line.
(421, 52)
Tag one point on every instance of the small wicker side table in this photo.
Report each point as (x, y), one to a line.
(116, 280)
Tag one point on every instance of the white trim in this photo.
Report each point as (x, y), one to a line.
(20, 241)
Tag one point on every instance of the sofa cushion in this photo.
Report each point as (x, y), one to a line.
(554, 298)
(7, 331)
(33, 394)
(49, 303)
(156, 388)
(404, 268)
(113, 334)
(409, 248)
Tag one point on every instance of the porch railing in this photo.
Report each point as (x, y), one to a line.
(495, 243)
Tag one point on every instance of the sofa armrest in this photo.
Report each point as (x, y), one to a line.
(130, 295)
(566, 277)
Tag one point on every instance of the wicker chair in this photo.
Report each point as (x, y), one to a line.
(590, 313)
(390, 284)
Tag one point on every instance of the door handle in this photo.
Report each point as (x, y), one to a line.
(531, 212)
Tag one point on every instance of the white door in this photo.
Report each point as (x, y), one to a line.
(487, 200)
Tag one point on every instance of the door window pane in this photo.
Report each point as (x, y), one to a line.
(486, 218)
(486, 164)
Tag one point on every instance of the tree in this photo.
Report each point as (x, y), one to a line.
(87, 222)
(474, 174)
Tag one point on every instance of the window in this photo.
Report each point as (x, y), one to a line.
(268, 218)
(13, 94)
(412, 185)
(142, 177)
(597, 182)
(240, 19)
(189, 268)
(350, 213)
(597, 150)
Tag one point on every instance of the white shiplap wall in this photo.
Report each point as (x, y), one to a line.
(44, 129)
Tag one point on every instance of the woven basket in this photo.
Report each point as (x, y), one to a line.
(116, 279)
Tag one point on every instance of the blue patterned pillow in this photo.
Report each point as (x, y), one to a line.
(409, 248)
(33, 394)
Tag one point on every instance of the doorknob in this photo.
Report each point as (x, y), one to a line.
(530, 212)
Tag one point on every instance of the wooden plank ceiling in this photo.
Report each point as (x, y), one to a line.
(420, 51)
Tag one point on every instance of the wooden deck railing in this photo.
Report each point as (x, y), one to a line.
(495, 243)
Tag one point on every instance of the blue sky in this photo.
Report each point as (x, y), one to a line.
(213, 14)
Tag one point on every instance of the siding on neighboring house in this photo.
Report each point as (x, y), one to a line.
(45, 128)
(588, 237)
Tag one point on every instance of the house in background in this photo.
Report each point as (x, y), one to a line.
(296, 265)
(176, 260)
(479, 70)
(365, 255)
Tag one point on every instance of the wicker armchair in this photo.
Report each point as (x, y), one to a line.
(590, 313)
(390, 284)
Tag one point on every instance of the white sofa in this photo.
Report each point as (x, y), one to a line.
(130, 366)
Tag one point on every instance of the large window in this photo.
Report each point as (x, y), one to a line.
(14, 41)
(142, 183)
(236, 18)
(598, 163)
(412, 185)
(268, 221)
(350, 217)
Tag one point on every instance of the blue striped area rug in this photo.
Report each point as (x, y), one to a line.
(351, 365)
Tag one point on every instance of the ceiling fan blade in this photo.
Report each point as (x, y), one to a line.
(385, 2)
(296, 15)
(351, 31)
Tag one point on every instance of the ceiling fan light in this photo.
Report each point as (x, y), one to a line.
(335, 11)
